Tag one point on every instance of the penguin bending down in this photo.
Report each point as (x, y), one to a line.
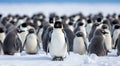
(12, 42)
(57, 43)
(31, 43)
(97, 43)
(79, 44)
(108, 38)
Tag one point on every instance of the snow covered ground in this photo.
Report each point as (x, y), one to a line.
(41, 59)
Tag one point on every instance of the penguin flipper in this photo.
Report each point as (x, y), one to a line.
(115, 44)
(38, 44)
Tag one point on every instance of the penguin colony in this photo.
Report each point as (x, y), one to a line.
(60, 35)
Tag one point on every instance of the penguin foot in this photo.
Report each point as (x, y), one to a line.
(114, 48)
(8, 53)
(57, 59)
(118, 54)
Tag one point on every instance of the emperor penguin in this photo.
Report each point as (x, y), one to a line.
(57, 43)
(118, 45)
(108, 38)
(115, 35)
(97, 43)
(79, 44)
(2, 34)
(24, 33)
(12, 42)
(31, 43)
(89, 26)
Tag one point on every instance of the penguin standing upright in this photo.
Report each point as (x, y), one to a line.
(108, 38)
(89, 26)
(115, 35)
(58, 42)
(97, 43)
(31, 43)
(12, 42)
(24, 33)
(2, 34)
(118, 45)
(79, 44)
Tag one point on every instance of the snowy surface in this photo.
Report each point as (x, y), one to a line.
(41, 59)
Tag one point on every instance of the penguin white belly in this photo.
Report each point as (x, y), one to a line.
(79, 46)
(82, 29)
(115, 36)
(40, 35)
(108, 41)
(2, 37)
(23, 36)
(31, 44)
(71, 28)
(58, 46)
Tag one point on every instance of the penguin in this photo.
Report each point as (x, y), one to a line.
(94, 27)
(24, 33)
(79, 44)
(12, 42)
(118, 45)
(108, 38)
(97, 43)
(89, 26)
(57, 43)
(1, 48)
(2, 34)
(31, 43)
(115, 35)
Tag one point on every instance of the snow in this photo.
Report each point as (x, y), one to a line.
(41, 59)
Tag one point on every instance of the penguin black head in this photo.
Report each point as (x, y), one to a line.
(79, 34)
(100, 32)
(24, 25)
(99, 19)
(105, 21)
(115, 21)
(89, 21)
(70, 23)
(117, 26)
(31, 31)
(1, 30)
(104, 26)
(58, 24)
(51, 20)
(80, 24)
(0, 15)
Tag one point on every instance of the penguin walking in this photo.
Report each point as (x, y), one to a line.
(58, 42)
(108, 38)
(2, 34)
(12, 42)
(118, 45)
(79, 44)
(115, 35)
(97, 43)
(31, 43)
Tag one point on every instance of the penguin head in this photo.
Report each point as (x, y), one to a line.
(117, 26)
(31, 31)
(70, 23)
(80, 24)
(99, 19)
(89, 21)
(104, 26)
(115, 21)
(100, 32)
(1, 30)
(58, 24)
(79, 34)
(24, 25)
